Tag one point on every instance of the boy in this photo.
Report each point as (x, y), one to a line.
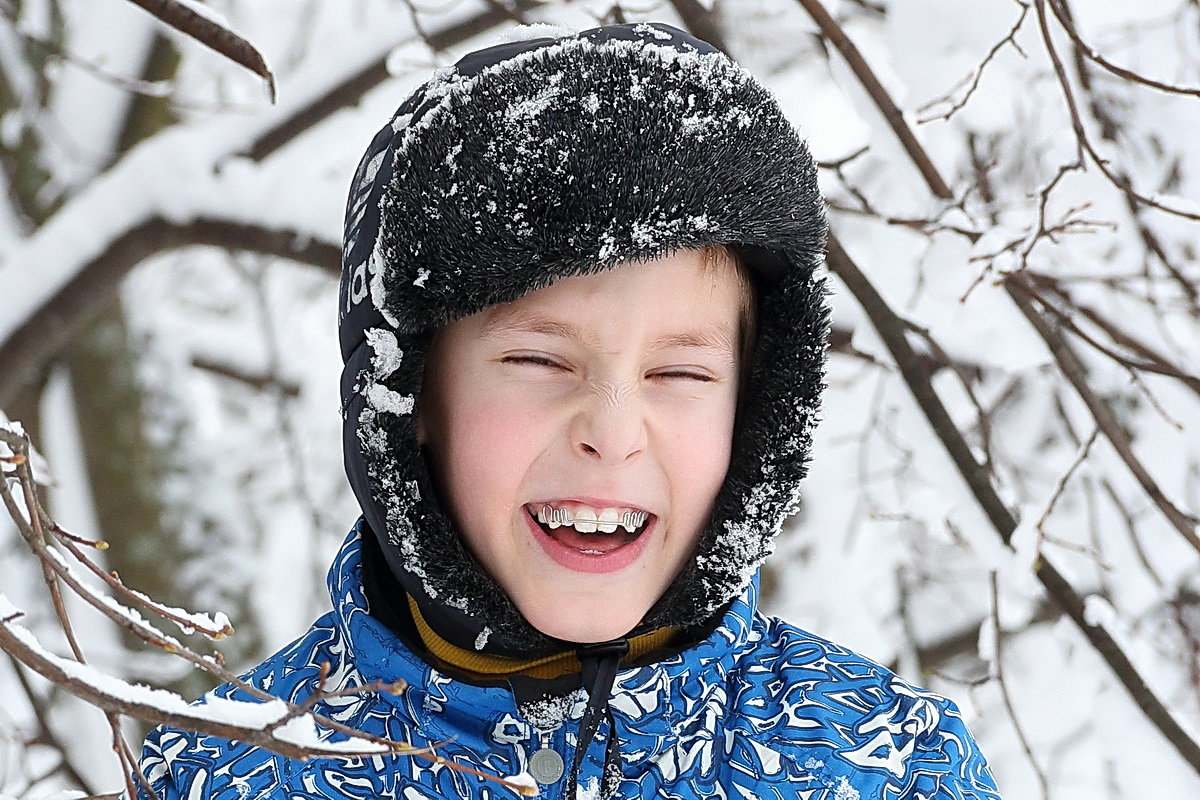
(584, 343)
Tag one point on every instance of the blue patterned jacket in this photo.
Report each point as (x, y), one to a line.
(759, 709)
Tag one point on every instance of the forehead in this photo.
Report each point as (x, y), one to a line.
(674, 300)
(509, 322)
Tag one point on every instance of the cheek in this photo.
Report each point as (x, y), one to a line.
(489, 442)
(700, 449)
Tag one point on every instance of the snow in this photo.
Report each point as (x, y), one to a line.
(535, 30)
(842, 790)
(522, 779)
(382, 398)
(208, 12)
(1098, 612)
(588, 790)
(549, 714)
(889, 552)
(387, 353)
(38, 465)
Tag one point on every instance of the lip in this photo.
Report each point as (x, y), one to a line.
(575, 560)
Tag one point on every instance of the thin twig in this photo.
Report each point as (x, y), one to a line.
(1022, 291)
(1126, 362)
(1081, 134)
(1154, 361)
(211, 34)
(1068, 25)
(832, 31)
(965, 380)
(977, 74)
(1061, 485)
(998, 665)
(45, 732)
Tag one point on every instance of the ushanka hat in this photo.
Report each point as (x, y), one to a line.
(544, 158)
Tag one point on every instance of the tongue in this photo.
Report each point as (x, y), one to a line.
(601, 542)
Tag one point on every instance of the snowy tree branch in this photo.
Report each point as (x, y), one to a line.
(209, 32)
(283, 727)
(836, 36)
(43, 333)
(891, 330)
(1019, 289)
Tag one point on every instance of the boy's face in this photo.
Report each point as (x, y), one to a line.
(607, 391)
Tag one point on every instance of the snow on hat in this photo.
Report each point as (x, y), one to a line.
(538, 159)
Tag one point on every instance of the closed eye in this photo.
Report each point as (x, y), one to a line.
(545, 362)
(692, 375)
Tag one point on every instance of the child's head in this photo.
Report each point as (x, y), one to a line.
(615, 391)
(603, 247)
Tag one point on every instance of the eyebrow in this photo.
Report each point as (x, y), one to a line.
(708, 338)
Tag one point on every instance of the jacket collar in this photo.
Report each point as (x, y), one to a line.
(648, 699)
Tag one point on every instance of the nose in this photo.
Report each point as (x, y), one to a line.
(611, 425)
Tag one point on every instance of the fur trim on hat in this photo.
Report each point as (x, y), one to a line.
(561, 157)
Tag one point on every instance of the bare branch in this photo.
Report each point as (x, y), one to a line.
(211, 34)
(832, 31)
(700, 20)
(1020, 289)
(972, 81)
(1068, 24)
(1081, 134)
(997, 645)
(1153, 361)
(891, 331)
(254, 380)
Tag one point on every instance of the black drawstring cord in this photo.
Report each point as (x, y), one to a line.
(598, 668)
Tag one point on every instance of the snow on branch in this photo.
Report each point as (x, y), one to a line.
(980, 480)
(291, 729)
(198, 22)
(155, 199)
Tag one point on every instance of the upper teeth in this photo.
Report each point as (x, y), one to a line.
(587, 521)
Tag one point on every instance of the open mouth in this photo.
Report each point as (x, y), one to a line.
(589, 538)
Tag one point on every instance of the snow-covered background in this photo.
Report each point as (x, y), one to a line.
(187, 403)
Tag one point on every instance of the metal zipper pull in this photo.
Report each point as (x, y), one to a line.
(546, 765)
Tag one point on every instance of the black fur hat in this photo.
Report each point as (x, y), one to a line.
(545, 158)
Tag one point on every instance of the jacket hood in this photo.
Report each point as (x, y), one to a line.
(541, 159)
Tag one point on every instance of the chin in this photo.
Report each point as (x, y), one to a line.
(584, 625)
